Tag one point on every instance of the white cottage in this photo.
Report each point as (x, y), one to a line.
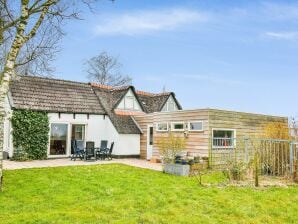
(85, 111)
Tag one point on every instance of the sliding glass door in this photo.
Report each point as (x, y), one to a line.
(58, 139)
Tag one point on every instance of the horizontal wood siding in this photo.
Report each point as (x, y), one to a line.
(245, 124)
(196, 142)
(199, 143)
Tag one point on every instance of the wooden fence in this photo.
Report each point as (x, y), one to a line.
(274, 157)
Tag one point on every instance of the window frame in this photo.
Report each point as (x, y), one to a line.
(224, 147)
(177, 130)
(170, 100)
(197, 121)
(127, 98)
(158, 130)
(83, 131)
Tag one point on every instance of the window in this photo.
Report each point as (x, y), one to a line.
(58, 139)
(162, 127)
(151, 136)
(78, 132)
(129, 102)
(170, 105)
(177, 126)
(224, 138)
(195, 126)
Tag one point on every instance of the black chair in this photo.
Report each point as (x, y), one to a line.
(90, 150)
(109, 155)
(102, 152)
(77, 152)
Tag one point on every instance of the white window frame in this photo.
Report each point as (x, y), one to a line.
(158, 130)
(126, 98)
(190, 130)
(170, 100)
(177, 122)
(224, 147)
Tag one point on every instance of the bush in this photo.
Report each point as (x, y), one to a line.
(19, 154)
(236, 170)
(30, 134)
(169, 147)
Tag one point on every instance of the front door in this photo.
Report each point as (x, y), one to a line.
(149, 142)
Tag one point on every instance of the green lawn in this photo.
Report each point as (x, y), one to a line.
(122, 194)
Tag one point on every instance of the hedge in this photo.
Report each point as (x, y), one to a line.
(30, 134)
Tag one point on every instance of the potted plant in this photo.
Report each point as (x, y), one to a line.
(169, 149)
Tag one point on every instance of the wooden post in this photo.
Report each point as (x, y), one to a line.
(256, 169)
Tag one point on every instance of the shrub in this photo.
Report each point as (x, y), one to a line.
(169, 147)
(276, 130)
(236, 170)
(30, 134)
(19, 154)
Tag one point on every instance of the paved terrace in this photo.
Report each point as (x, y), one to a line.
(13, 165)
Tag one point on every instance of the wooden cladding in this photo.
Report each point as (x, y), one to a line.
(199, 143)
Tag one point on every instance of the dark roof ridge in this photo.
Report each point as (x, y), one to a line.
(138, 92)
(53, 79)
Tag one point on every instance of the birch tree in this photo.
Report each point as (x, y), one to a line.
(21, 23)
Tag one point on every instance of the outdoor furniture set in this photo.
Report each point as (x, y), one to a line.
(90, 151)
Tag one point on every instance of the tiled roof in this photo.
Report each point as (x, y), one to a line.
(155, 102)
(124, 124)
(53, 95)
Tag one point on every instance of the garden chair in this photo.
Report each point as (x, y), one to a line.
(90, 150)
(102, 150)
(77, 151)
(110, 150)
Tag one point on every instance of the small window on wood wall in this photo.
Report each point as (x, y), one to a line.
(195, 126)
(162, 127)
(177, 126)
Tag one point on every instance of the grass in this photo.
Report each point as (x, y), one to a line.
(121, 194)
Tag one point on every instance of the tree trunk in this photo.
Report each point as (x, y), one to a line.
(6, 77)
(4, 88)
(9, 72)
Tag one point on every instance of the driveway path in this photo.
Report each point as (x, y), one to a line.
(13, 165)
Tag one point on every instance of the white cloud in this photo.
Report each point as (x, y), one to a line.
(148, 21)
(283, 35)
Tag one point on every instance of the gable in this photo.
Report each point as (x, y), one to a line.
(129, 102)
(170, 105)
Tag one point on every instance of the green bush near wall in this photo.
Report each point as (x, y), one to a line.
(30, 134)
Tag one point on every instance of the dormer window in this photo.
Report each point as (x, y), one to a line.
(170, 105)
(129, 102)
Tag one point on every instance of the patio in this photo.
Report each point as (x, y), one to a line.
(13, 165)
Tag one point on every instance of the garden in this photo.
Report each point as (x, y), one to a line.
(122, 194)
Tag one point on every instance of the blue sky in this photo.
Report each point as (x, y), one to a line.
(236, 55)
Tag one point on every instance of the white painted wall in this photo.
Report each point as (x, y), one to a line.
(99, 127)
(128, 145)
(95, 127)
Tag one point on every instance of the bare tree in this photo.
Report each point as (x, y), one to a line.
(105, 69)
(29, 33)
